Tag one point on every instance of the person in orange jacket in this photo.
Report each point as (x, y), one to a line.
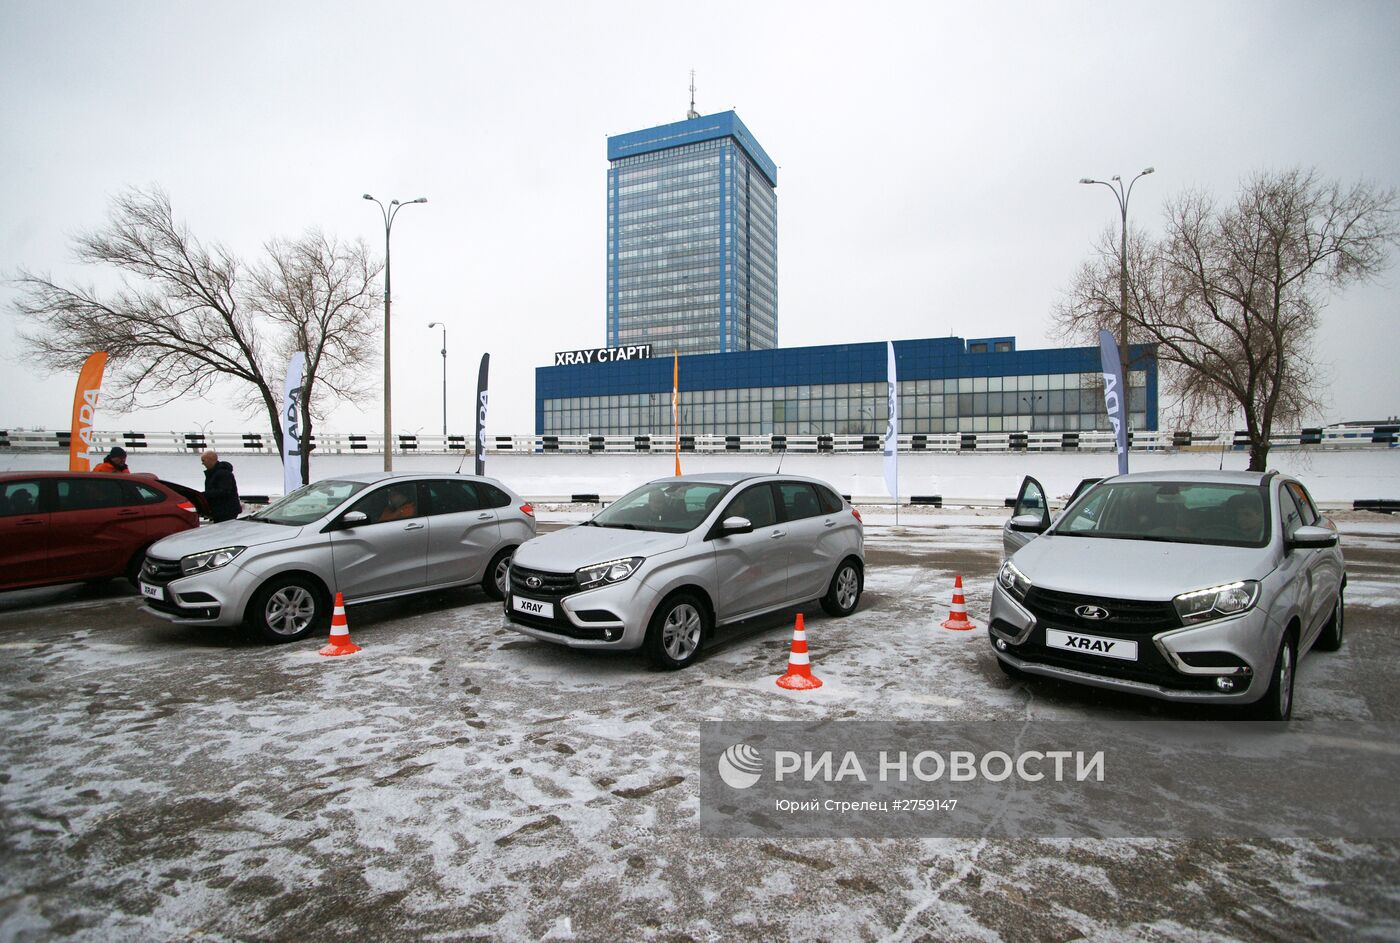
(400, 507)
(114, 463)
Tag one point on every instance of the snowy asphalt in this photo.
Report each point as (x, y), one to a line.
(456, 780)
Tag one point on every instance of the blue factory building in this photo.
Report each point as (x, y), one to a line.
(946, 385)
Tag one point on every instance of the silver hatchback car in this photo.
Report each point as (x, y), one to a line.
(663, 565)
(1200, 586)
(369, 536)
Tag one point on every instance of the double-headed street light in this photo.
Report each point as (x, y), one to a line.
(433, 324)
(1122, 196)
(389, 212)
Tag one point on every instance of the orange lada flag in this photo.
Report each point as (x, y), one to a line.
(676, 406)
(84, 410)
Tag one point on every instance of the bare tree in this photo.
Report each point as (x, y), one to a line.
(1231, 295)
(324, 296)
(186, 317)
(173, 328)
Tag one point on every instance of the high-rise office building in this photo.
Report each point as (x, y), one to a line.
(692, 238)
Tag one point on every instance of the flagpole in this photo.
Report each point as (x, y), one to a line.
(676, 405)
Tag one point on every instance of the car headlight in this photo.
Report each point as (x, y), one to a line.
(609, 571)
(1013, 580)
(208, 560)
(1216, 602)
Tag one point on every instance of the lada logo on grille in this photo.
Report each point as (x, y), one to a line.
(534, 582)
(1091, 612)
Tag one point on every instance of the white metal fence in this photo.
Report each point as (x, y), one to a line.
(1329, 437)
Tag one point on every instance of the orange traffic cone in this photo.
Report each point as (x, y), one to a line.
(799, 674)
(957, 616)
(340, 643)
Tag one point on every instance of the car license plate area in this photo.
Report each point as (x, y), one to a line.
(152, 592)
(532, 607)
(1059, 640)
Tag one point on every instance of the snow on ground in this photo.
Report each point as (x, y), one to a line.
(457, 780)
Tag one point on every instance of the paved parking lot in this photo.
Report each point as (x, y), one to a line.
(456, 780)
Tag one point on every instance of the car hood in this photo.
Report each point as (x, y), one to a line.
(1135, 569)
(226, 534)
(566, 550)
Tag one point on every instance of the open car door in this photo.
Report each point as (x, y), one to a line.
(1030, 516)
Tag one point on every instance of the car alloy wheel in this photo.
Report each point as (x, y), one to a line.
(680, 633)
(847, 587)
(843, 593)
(290, 610)
(1284, 680)
(497, 580)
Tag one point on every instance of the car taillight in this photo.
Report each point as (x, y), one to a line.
(187, 506)
(527, 509)
(856, 515)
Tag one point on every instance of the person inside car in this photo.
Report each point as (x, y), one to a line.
(22, 502)
(1246, 517)
(400, 506)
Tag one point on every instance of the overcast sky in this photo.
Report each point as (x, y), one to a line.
(928, 157)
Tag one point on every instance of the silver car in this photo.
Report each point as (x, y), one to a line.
(369, 536)
(663, 565)
(1202, 587)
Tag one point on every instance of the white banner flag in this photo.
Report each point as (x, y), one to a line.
(892, 432)
(291, 427)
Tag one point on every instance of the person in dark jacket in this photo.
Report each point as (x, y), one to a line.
(114, 463)
(220, 488)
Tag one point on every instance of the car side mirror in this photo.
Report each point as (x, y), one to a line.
(353, 519)
(1312, 538)
(1029, 523)
(735, 525)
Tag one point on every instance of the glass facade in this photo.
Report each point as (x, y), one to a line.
(692, 239)
(946, 385)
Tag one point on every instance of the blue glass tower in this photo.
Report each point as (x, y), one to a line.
(692, 238)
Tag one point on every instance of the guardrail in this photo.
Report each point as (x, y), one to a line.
(234, 443)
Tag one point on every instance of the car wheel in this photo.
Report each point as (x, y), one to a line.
(1277, 702)
(678, 629)
(1331, 638)
(843, 595)
(133, 569)
(286, 609)
(497, 579)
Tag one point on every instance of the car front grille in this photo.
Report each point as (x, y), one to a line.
(550, 585)
(1126, 617)
(158, 572)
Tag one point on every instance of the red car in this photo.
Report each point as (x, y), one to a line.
(68, 527)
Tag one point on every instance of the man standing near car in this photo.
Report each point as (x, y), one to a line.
(114, 463)
(220, 488)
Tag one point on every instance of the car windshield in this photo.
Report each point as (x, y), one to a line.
(671, 506)
(309, 503)
(1172, 511)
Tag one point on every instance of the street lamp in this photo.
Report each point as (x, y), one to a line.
(389, 213)
(433, 324)
(1122, 196)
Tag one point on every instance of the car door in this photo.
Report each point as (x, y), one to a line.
(24, 534)
(462, 534)
(1323, 564)
(1299, 566)
(95, 528)
(1030, 500)
(751, 569)
(388, 552)
(811, 544)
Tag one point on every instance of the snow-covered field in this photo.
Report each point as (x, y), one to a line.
(1335, 477)
(456, 780)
